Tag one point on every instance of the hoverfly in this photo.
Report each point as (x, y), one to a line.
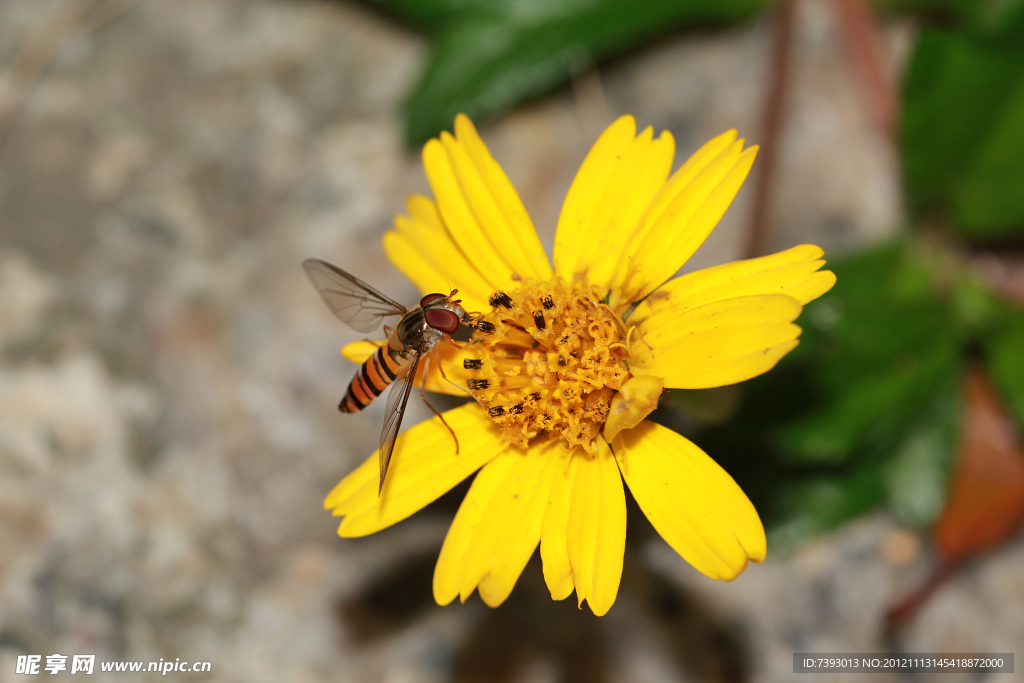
(361, 307)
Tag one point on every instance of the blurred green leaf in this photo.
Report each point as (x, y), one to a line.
(884, 304)
(872, 411)
(879, 342)
(942, 9)
(911, 478)
(486, 57)
(1005, 356)
(812, 504)
(990, 200)
(432, 14)
(976, 310)
(963, 123)
(916, 474)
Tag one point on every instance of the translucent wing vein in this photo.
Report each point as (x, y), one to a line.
(354, 302)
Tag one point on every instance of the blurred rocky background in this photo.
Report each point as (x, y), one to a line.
(168, 379)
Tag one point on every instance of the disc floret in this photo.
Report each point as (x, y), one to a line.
(548, 358)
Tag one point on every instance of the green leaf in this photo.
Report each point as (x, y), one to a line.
(941, 9)
(884, 304)
(1004, 352)
(975, 309)
(963, 123)
(990, 199)
(434, 13)
(916, 474)
(873, 411)
(490, 56)
(878, 343)
(810, 505)
(910, 479)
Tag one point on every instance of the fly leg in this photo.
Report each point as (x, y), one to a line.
(446, 425)
(423, 395)
(440, 368)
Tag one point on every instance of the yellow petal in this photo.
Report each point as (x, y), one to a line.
(611, 192)
(596, 536)
(717, 344)
(424, 251)
(679, 182)
(451, 359)
(554, 548)
(496, 528)
(423, 467)
(637, 399)
(495, 203)
(793, 272)
(360, 351)
(467, 207)
(681, 218)
(691, 501)
(584, 533)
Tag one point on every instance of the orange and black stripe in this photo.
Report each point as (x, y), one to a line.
(373, 377)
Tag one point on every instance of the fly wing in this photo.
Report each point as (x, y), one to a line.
(394, 411)
(356, 303)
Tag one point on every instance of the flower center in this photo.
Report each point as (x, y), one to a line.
(549, 358)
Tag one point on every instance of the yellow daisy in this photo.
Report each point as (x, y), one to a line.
(568, 359)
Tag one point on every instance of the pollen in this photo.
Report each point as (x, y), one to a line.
(550, 359)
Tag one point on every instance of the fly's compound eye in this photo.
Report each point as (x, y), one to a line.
(431, 299)
(442, 319)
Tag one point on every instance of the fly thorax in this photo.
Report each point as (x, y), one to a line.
(410, 328)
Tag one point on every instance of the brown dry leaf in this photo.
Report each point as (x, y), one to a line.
(986, 503)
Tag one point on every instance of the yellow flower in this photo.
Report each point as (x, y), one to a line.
(568, 359)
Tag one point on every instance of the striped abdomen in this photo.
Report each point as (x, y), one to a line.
(372, 378)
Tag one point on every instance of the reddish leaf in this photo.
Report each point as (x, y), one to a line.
(986, 502)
